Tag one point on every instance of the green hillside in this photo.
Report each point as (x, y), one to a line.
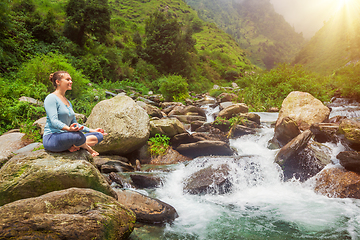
(107, 45)
(265, 35)
(335, 45)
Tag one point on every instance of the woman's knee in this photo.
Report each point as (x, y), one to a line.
(78, 138)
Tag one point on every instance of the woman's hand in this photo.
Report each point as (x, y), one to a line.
(100, 130)
(75, 127)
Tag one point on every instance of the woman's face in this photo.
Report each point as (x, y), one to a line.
(65, 83)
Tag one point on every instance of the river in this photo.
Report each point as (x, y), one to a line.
(260, 206)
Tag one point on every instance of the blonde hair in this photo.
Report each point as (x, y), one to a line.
(56, 76)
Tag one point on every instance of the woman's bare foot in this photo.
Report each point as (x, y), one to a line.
(73, 148)
(93, 152)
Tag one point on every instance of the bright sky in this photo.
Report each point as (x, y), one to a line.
(308, 16)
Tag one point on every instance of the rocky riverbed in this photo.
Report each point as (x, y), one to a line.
(212, 148)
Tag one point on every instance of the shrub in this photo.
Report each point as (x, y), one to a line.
(174, 88)
(158, 145)
(36, 72)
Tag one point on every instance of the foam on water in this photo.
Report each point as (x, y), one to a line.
(261, 205)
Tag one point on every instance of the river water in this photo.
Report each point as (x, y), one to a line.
(260, 206)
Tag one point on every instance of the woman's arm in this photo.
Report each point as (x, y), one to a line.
(51, 111)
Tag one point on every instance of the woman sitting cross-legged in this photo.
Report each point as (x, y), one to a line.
(62, 132)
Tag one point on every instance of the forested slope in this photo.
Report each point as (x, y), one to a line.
(110, 44)
(335, 45)
(265, 35)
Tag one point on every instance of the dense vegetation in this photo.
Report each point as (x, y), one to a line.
(110, 44)
(140, 45)
(267, 38)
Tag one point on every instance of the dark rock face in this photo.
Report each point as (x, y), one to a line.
(302, 158)
(181, 138)
(196, 124)
(147, 209)
(108, 164)
(325, 132)
(350, 160)
(285, 132)
(68, 214)
(205, 148)
(209, 181)
(119, 179)
(145, 181)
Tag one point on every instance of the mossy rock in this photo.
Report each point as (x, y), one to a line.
(41, 172)
(351, 130)
(68, 214)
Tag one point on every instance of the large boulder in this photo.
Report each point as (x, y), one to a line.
(166, 126)
(127, 125)
(303, 158)
(285, 131)
(9, 143)
(337, 182)
(209, 180)
(233, 110)
(147, 209)
(204, 148)
(304, 109)
(40, 172)
(68, 214)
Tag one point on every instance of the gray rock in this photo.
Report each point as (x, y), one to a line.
(226, 97)
(29, 148)
(127, 125)
(209, 180)
(224, 105)
(204, 148)
(145, 181)
(40, 172)
(31, 100)
(166, 126)
(195, 125)
(325, 132)
(151, 110)
(285, 132)
(68, 214)
(233, 110)
(112, 163)
(9, 143)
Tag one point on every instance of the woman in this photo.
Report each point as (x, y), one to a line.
(62, 132)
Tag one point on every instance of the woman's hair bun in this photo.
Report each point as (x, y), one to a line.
(51, 77)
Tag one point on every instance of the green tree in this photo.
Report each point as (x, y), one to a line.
(87, 17)
(166, 46)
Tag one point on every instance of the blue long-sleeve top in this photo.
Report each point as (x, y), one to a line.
(58, 115)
